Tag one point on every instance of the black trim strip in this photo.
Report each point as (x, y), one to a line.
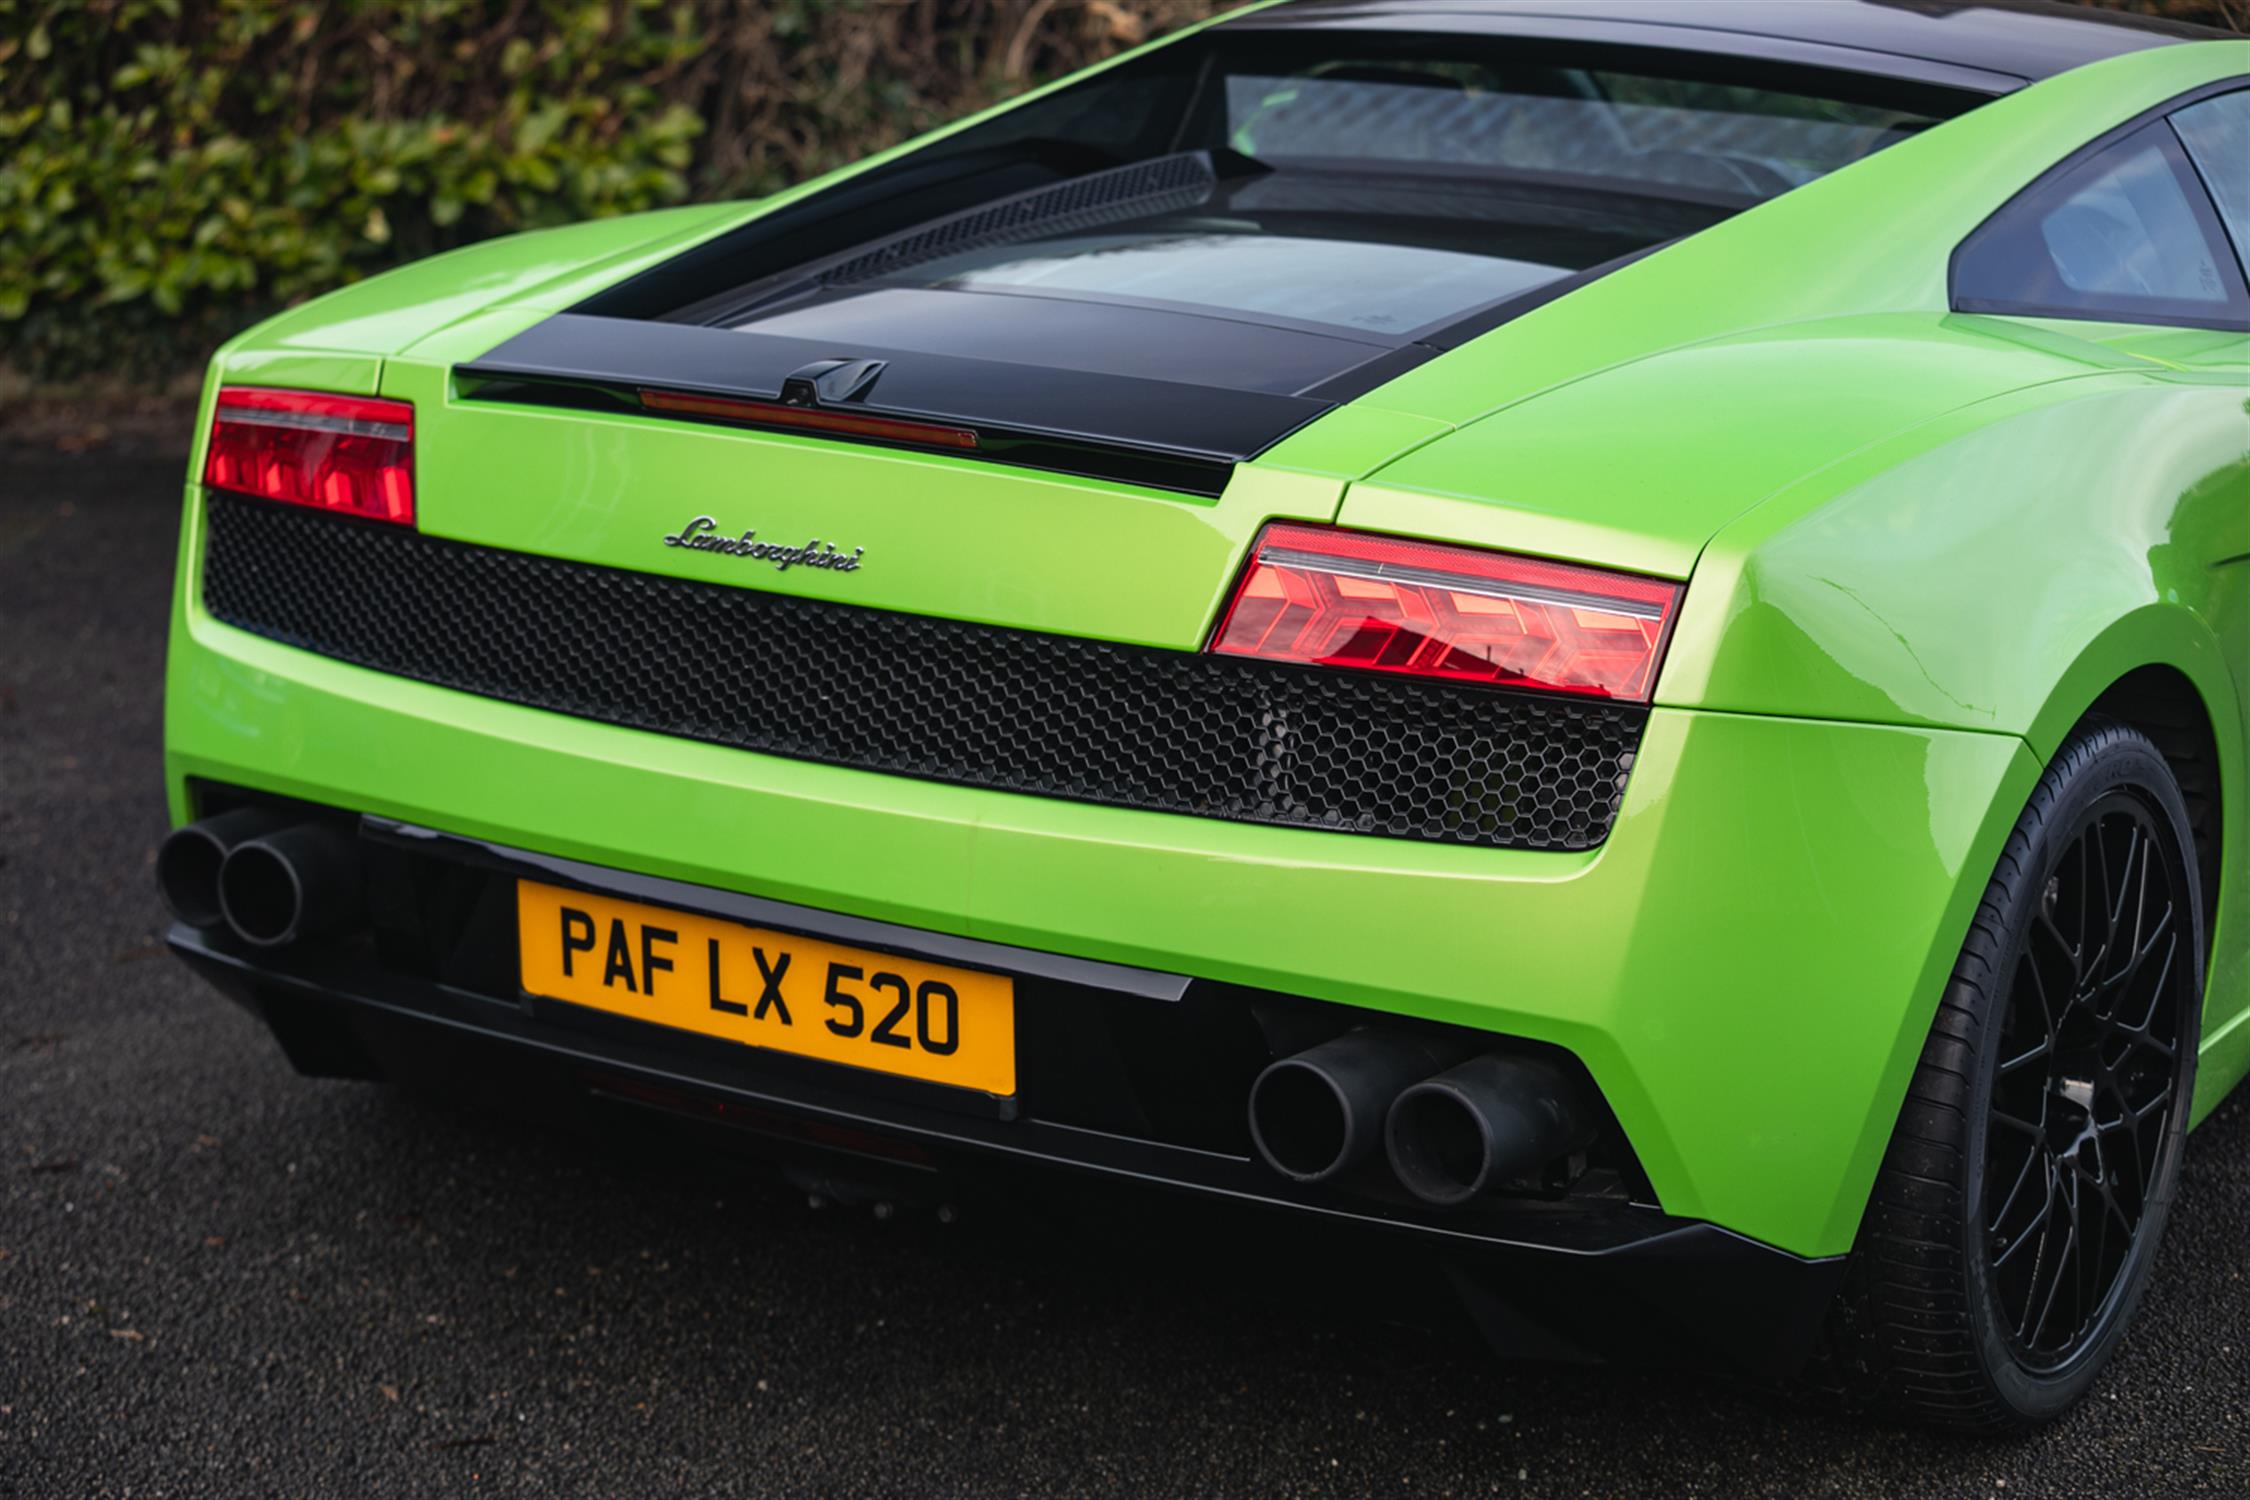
(1658, 49)
(783, 916)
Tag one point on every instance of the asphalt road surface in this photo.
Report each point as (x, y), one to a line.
(217, 1278)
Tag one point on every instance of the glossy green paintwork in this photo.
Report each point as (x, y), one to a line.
(1918, 546)
(1936, 579)
(1767, 399)
(1893, 514)
(943, 536)
(1688, 962)
(538, 272)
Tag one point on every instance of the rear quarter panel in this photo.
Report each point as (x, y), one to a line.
(2001, 567)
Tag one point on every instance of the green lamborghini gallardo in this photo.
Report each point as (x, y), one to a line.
(1612, 642)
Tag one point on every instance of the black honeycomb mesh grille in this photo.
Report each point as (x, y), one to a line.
(944, 700)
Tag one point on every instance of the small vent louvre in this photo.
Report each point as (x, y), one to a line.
(1165, 185)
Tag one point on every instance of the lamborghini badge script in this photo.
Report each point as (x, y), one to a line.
(703, 535)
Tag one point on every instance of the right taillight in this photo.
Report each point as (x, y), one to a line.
(1322, 597)
(353, 455)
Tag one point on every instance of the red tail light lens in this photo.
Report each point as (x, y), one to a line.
(350, 454)
(1342, 599)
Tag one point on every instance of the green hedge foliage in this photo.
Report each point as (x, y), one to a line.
(171, 169)
(163, 178)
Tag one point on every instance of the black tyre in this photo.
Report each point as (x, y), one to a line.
(2015, 1220)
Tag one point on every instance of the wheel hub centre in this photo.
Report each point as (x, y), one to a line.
(2070, 1115)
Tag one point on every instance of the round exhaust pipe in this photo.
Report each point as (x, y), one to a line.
(1491, 1120)
(298, 882)
(1321, 1111)
(189, 859)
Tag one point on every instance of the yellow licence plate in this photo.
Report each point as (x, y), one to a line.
(769, 989)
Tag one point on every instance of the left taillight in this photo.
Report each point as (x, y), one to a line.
(1322, 597)
(353, 455)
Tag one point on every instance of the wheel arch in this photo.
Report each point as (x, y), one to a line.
(2162, 670)
(2159, 668)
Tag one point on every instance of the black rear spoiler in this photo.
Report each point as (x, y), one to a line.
(1171, 434)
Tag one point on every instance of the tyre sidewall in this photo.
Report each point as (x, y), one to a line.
(2100, 760)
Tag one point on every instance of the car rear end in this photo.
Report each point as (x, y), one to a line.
(906, 698)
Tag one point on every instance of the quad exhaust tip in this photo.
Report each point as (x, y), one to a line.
(266, 879)
(1452, 1127)
(1320, 1113)
(1491, 1120)
(190, 858)
(300, 882)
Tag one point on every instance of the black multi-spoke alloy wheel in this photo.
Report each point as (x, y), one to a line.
(2016, 1216)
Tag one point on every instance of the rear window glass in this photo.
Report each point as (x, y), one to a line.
(1662, 133)
(1275, 272)
(1308, 242)
(1372, 188)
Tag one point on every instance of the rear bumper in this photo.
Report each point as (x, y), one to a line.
(1746, 967)
(1591, 1274)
